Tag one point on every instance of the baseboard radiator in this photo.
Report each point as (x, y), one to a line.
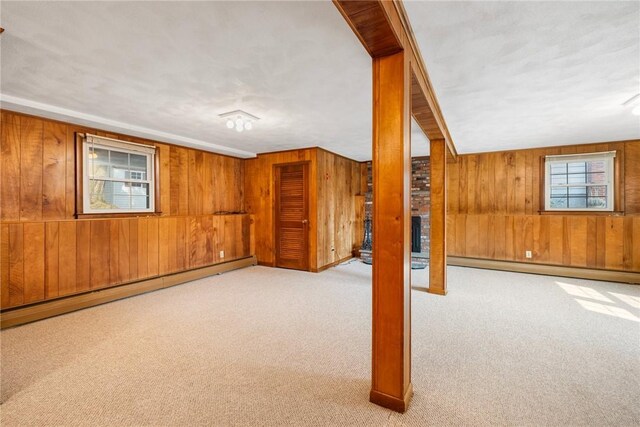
(38, 311)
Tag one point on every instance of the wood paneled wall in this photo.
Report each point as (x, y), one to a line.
(38, 173)
(259, 197)
(46, 253)
(494, 212)
(49, 259)
(333, 205)
(340, 211)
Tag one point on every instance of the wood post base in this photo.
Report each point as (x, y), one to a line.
(392, 402)
(437, 291)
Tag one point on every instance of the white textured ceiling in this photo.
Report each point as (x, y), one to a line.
(507, 74)
(165, 70)
(526, 74)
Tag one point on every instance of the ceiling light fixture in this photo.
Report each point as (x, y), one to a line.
(239, 120)
(634, 100)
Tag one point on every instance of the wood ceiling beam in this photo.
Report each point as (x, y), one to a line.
(384, 28)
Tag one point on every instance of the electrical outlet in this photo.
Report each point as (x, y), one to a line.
(221, 254)
(527, 254)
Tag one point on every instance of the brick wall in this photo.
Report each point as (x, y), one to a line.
(420, 195)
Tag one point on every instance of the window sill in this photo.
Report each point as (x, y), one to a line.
(589, 213)
(117, 215)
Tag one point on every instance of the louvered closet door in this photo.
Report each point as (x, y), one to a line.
(292, 216)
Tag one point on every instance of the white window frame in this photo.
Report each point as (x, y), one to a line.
(93, 141)
(608, 157)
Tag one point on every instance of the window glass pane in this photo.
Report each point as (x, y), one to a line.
(137, 175)
(596, 166)
(140, 202)
(597, 191)
(138, 162)
(577, 178)
(577, 167)
(597, 202)
(558, 179)
(119, 164)
(558, 168)
(98, 162)
(101, 194)
(577, 202)
(559, 191)
(558, 202)
(578, 191)
(597, 178)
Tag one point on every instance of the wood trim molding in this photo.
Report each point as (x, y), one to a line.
(79, 174)
(391, 402)
(546, 269)
(333, 264)
(43, 310)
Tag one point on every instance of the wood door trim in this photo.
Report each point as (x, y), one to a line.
(276, 223)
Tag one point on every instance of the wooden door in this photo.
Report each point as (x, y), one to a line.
(292, 216)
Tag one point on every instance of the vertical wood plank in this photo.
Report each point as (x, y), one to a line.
(124, 251)
(133, 249)
(31, 169)
(166, 248)
(100, 247)
(179, 180)
(614, 243)
(10, 169)
(114, 253)
(499, 236)
(578, 239)
(143, 248)
(4, 265)
(16, 264)
(68, 257)
(34, 236)
(54, 170)
(52, 258)
(153, 246)
(556, 239)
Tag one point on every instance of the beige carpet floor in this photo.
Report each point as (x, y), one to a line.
(274, 347)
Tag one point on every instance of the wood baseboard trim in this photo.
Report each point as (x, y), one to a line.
(333, 264)
(266, 264)
(391, 402)
(547, 270)
(21, 315)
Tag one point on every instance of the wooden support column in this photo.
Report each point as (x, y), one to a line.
(438, 215)
(391, 367)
